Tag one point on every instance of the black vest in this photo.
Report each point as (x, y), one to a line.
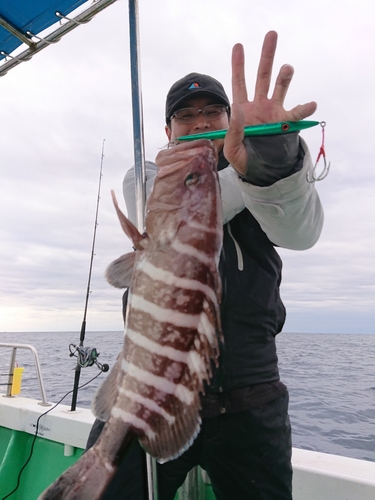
(252, 312)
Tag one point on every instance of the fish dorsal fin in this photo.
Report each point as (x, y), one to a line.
(119, 272)
(107, 393)
(127, 226)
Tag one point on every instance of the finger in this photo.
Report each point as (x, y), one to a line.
(302, 111)
(239, 91)
(233, 142)
(181, 151)
(265, 65)
(171, 168)
(177, 158)
(172, 155)
(282, 84)
(184, 145)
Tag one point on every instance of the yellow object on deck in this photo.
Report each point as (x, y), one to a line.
(17, 381)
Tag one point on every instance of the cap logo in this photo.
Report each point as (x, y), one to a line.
(195, 85)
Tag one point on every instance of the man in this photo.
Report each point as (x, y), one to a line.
(245, 439)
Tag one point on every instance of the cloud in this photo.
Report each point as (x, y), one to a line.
(57, 109)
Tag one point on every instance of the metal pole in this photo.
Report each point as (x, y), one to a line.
(139, 155)
(11, 371)
(140, 172)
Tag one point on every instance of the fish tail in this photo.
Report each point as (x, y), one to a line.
(85, 480)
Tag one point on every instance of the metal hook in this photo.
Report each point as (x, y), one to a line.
(322, 175)
(325, 171)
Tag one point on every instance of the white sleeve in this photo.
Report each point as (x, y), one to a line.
(289, 211)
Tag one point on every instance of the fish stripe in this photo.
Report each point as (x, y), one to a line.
(159, 383)
(191, 251)
(131, 419)
(169, 278)
(109, 466)
(165, 315)
(206, 328)
(195, 362)
(167, 401)
(154, 347)
(163, 333)
(208, 229)
(148, 403)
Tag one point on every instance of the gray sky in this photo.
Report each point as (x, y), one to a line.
(56, 110)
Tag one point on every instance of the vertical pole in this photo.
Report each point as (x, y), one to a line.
(139, 155)
(139, 163)
(11, 371)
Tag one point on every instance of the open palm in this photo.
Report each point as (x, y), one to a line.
(262, 109)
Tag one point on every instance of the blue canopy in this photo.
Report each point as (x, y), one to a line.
(21, 21)
(30, 16)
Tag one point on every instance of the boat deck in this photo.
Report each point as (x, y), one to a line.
(62, 436)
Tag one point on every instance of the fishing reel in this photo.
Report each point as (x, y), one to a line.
(87, 356)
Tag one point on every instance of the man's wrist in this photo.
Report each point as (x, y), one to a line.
(272, 158)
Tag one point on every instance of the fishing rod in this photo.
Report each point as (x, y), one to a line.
(87, 358)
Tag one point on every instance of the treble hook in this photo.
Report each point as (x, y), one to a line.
(326, 167)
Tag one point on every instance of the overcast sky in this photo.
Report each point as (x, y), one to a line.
(56, 110)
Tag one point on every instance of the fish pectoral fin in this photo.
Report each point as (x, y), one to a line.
(170, 439)
(119, 272)
(107, 393)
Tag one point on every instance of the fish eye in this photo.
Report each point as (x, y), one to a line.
(191, 179)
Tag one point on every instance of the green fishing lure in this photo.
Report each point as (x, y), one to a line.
(255, 130)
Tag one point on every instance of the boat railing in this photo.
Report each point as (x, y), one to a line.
(13, 365)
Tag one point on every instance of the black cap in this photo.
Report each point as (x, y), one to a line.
(193, 85)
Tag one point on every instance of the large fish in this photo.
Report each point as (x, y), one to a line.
(172, 323)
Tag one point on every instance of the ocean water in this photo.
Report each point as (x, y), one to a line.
(331, 381)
